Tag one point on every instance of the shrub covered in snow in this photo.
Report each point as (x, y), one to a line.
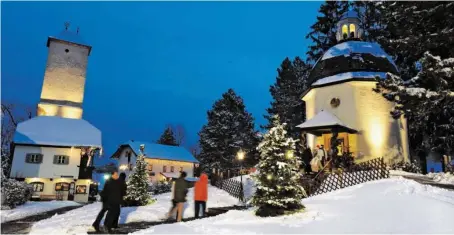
(412, 167)
(160, 187)
(15, 193)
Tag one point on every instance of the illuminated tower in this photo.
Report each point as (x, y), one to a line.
(64, 79)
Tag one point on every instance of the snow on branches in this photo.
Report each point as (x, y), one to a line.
(278, 188)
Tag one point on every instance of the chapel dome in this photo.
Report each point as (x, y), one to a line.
(352, 56)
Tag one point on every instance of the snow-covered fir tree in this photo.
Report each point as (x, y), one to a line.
(167, 137)
(427, 101)
(230, 128)
(323, 31)
(410, 28)
(137, 184)
(278, 189)
(290, 84)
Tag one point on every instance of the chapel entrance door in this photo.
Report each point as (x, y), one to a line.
(71, 191)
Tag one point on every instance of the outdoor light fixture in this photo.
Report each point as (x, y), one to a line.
(240, 155)
(106, 176)
(123, 167)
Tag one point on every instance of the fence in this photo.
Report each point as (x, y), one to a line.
(359, 173)
(231, 186)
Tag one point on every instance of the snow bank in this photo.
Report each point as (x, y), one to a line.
(402, 173)
(33, 208)
(78, 221)
(443, 178)
(248, 186)
(386, 206)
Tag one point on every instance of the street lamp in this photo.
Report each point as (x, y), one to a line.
(106, 176)
(240, 155)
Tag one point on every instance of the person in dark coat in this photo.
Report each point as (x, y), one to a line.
(123, 186)
(307, 158)
(104, 194)
(180, 190)
(113, 190)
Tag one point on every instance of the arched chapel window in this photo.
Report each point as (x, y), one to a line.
(344, 31)
(352, 30)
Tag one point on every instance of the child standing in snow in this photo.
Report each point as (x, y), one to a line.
(201, 194)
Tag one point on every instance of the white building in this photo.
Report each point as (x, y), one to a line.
(341, 100)
(164, 161)
(54, 151)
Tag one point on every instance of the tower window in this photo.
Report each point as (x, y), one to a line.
(344, 31)
(66, 50)
(352, 30)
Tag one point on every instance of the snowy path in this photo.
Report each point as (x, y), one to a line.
(394, 205)
(33, 208)
(23, 225)
(79, 221)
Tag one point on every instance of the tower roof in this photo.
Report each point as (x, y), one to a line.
(350, 14)
(71, 37)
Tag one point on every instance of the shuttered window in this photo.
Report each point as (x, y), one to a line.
(35, 158)
(172, 169)
(61, 159)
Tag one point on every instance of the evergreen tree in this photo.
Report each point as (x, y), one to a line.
(323, 34)
(412, 28)
(370, 16)
(427, 101)
(290, 84)
(167, 137)
(277, 183)
(230, 128)
(137, 184)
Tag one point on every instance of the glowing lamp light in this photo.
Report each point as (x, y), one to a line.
(123, 167)
(240, 155)
(106, 177)
(289, 154)
(269, 177)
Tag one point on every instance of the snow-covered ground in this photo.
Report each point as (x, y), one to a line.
(78, 221)
(394, 205)
(402, 173)
(443, 178)
(33, 208)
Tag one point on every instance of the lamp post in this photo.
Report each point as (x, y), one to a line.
(240, 156)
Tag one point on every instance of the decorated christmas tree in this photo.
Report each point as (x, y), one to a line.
(137, 185)
(278, 188)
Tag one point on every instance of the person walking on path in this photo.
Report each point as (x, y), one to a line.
(104, 208)
(122, 180)
(201, 194)
(113, 190)
(180, 190)
(307, 158)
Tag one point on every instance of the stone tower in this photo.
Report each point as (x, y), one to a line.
(64, 79)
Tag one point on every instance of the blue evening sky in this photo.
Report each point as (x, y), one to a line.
(156, 63)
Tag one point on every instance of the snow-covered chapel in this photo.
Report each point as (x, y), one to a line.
(54, 151)
(341, 100)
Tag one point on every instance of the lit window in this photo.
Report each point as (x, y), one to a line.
(164, 169)
(37, 186)
(62, 186)
(181, 169)
(34, 158)
(172, 169)
(344, 31)
(61, 159)
(352, 30)
(150, 167)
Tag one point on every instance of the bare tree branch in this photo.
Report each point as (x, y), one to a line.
(180, 134)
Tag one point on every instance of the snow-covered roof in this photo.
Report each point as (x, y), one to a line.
(350, 14)
(160, 151)
(349, 47)
(324, 120)
(57, 131)
(348, 76)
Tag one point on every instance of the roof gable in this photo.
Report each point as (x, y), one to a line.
(160, 151)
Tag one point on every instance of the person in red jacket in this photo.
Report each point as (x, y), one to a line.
(201, 194)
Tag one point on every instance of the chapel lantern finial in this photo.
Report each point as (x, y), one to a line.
(348, 26)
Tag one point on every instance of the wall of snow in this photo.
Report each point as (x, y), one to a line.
(364, 110)
(46, 169)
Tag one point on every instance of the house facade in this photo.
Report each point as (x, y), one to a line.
(54, 151)
(341, 100)
(163, 161)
